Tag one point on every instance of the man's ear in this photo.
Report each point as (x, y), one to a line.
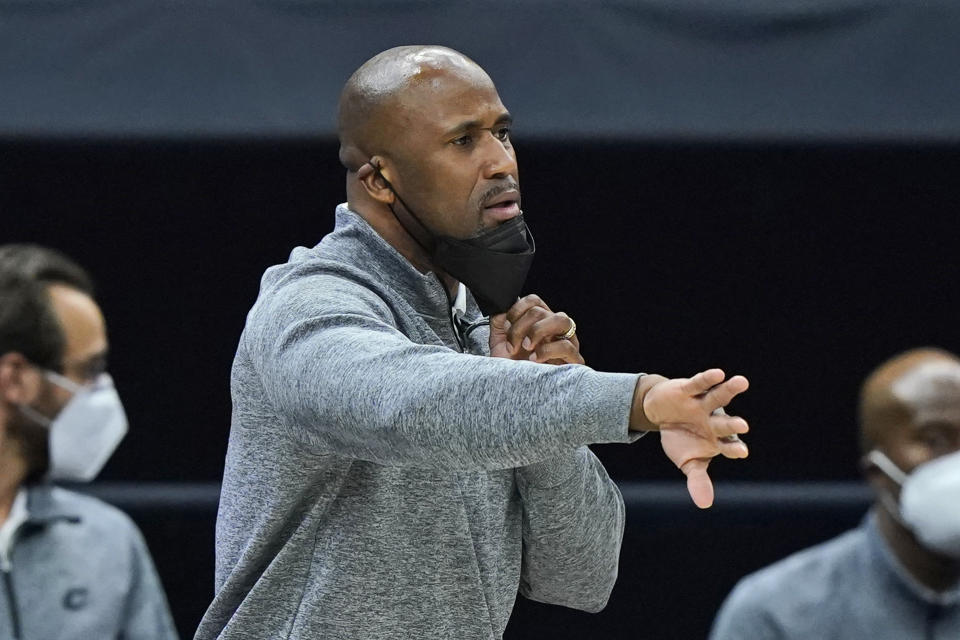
(19, 380)
(374, 176)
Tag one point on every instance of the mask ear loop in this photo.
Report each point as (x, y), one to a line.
(881, 461)
(409, 220)
(61, 381)
(35, 415)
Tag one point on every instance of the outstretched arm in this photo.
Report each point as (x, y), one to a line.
(341, 378)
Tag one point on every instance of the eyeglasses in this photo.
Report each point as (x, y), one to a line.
(86, 371)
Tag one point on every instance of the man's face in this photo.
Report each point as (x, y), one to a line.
(453, 160)
(931, 392)
(85, 347)
(84, 358)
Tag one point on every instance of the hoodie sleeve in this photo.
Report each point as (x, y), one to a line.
(343, 379)
(573, 523)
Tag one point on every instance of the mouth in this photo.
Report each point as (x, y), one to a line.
(503, 206)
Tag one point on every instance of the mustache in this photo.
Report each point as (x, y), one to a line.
(494, 191)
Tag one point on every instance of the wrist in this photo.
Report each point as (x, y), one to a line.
(638, 417)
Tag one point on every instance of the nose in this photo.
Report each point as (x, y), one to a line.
(500, 159)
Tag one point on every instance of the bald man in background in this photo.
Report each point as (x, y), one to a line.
(897, 575)
(407, 448)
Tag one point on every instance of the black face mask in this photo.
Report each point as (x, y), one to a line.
(493, 264)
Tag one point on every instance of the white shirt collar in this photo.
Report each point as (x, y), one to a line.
(460, 304)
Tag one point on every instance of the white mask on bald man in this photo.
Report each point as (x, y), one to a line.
(929, 500)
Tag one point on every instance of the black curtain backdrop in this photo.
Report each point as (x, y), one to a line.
(799, 266)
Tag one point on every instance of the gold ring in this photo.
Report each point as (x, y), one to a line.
(571, 331)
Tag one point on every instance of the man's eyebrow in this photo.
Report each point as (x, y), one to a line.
(470, 125)
(98, 360)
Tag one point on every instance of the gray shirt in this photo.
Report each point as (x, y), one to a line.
(380, 483)
(848, 588)
(79, 569)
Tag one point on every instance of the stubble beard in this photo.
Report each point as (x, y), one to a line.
(32, 440)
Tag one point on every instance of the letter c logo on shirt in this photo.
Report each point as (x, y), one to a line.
(76, 598)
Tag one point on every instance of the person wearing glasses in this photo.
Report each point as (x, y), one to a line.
(72, 566)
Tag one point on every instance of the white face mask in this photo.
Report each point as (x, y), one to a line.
(87, 431)
(929, 500)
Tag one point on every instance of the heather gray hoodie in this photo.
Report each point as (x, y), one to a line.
(380, 483)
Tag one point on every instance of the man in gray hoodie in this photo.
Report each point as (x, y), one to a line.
(398, 465)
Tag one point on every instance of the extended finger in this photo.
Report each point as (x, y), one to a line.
(554, 325)
(562, 350)
(724, 425)
(733, 448)
(699, 485)
(721, 394)
(702, 382)
(524, 304)
(522, 327)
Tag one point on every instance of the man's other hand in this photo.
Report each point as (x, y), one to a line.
(530, 330)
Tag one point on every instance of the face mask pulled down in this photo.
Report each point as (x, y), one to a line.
(493, 265)
(87, 430)
(929, 499)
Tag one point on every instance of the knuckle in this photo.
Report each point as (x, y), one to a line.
(532, 315)
(539, 312)
(543, 327)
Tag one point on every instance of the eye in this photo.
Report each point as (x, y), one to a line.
(940, 438)
(92, 371)
(503, 134)
(462, 141)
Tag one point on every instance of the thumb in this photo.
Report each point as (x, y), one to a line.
(699, 484)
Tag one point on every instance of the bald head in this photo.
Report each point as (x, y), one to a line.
(372, 107)
(905, 388)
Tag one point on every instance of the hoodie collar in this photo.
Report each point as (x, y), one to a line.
(356, 242)
(43, 508)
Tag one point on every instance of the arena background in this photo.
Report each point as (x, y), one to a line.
(766, 187)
